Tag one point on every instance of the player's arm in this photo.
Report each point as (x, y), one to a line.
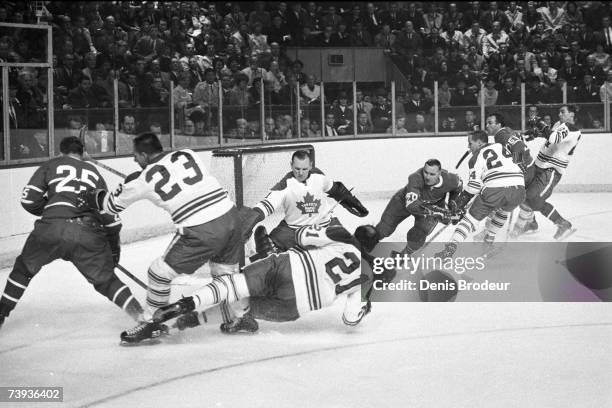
(519, 151)
(272, 202)
(112, 222)
(34, 194)
(133, 188)
(343, 195)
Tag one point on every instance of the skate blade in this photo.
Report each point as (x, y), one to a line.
(567, 234)
(146, 342)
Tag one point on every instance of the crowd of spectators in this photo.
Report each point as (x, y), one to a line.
(234, 51)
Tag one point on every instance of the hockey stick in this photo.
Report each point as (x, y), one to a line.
(465, 155)
(132, 276)
(87, 157)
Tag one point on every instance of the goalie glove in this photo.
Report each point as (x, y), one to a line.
(341, 194)
(92, 199)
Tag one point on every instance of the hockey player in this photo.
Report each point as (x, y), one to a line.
(550, 164)
(514, 145)
(89, 239)
(303, 196)
(497, 180)
(424, 194)
(284, 286)
(208, 227)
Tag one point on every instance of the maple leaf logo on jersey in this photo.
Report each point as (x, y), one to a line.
(309, 206)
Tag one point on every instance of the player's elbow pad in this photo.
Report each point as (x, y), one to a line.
(35, 207)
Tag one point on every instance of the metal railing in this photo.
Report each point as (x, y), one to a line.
(256, 116)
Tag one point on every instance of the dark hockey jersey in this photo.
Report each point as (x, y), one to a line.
(417, 193)
(53, 190)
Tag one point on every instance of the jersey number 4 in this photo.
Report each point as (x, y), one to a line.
(161, 186)
(338, 266)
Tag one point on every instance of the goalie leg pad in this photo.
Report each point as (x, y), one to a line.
(367, 236)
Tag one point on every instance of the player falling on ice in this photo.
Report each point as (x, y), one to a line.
(498, 184)
(207, 221)
(303, 195)
(550, 164)
(87, 238)
(424, 198)
(284, 286)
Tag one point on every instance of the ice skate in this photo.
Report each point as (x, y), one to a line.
(529, 228)
(564, 230)
(145, 332)
(244, 324)
(173, 310)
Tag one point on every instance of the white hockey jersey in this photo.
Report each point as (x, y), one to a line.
(303, 203)
(493, 166)
(322, 269)
(559, 146)
(179, 183)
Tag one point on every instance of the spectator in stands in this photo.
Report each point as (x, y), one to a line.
(444, 94)
(452, 36)
(311, 91)
(596, 71)
(462, 96)
(343, 115)
(361, 37)
(129, 96)
(546, 74)
(342, 37)
(605, 91)
(602, 58)
(470, 80)
(325, 38)
(82, 96)
(385, 38)
(270, 129)
(126, 134)
(474, 36)
(432, 19)
(284, 127)
(180, 93)
(154, 95)
(414, 102)
(330, 125)
(449, 124)
(553, 15)
(509, 94)
(305, 128)
(588, 91)
(408, 40)
(239, 96)
(493, 41)
(381, 113)
(535, 93)
(28, 144)
(490, 93)
(241, 131)
(315, 129)
(206, 93)
(400, 126)
(330, 19)
(363, 123)
(253, 71)
(573, 74)
(258, 41)
(419, 124)
(470, 121)
(454, 16)
(306, 39)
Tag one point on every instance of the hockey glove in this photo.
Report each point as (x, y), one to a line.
(441, 214)
(341, 194)
(131, 177)
(456, 213)
(249, 217)
(463, 199)
(93, 199)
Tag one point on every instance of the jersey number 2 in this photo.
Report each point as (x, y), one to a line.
(339, 263)
(189, 164)
(492, 158)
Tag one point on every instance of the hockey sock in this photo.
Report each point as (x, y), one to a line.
(17, 282)
(121, 295)
(466, 226)
(525, 215)
(497, 222)
(230, 288)
(160, 277)
(551, 213)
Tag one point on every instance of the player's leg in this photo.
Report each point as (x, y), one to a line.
(395, 212)
(91, 254)
(417, 235)
(41, 247)
(537, 197)
(479, 209)
(283, 236)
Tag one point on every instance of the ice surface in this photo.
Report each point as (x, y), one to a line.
(403, 354)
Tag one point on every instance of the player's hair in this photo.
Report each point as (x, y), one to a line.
(499, 118)
(71, 144)
(147, 143)
(434, 162)
(570, 108)
(480, 135)
(301, 155)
